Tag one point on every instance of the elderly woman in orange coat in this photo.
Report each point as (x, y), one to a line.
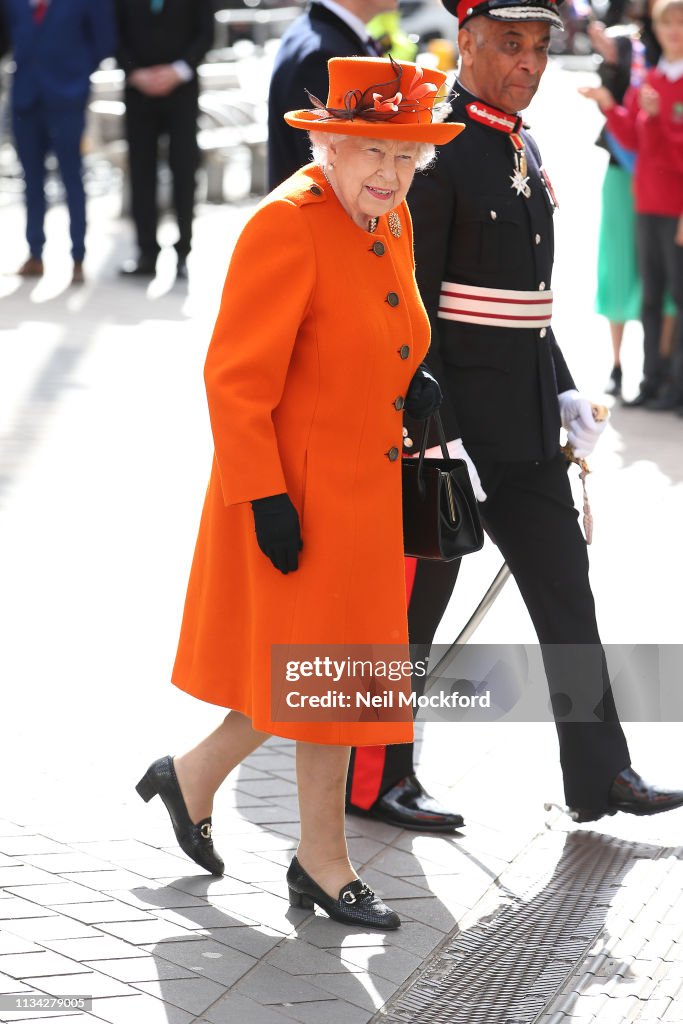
(316, 351)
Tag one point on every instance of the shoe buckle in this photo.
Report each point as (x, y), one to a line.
(206, 830)
(349, 897)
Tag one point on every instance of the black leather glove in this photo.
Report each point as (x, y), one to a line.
(424, 395)
(277, 531)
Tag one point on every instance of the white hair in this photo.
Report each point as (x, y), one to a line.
(321, 142)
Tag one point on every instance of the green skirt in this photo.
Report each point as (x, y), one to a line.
(619, 296)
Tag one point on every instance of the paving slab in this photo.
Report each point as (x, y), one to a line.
(139, 1008)
(360, 989)
(16, 907)
(192, 994)
(140, 933)
(214, 960)
(256, 940)
(265, 909)
(296, 956)
(91, 983)
(104, 910)
(269, 985)
(141, 968)
(35, 965)
(14, 944)
(236, 1007)
(337, 1012)
(102, 947)
(56, 893)
(9, 984)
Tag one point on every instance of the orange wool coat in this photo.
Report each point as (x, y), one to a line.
(319, 333)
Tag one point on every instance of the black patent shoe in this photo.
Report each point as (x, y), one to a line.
(408, 805)
(633, 795)
(356, 903)
(644, 396)
(194, 839)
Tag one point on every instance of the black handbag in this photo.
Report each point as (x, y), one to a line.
(440, 514)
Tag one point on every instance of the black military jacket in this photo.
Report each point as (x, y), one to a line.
(471, 227)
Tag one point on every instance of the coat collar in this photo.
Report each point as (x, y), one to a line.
(324, 16)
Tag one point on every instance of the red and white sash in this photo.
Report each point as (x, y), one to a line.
(495, 307)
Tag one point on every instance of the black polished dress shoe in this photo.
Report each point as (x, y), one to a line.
(408, 805)
(668, 399)
(144, 267)
(356, 904)
(194, 839)
(643, 398)
(633, 795)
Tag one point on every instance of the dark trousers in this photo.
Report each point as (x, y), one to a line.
(40, 130)
(660, 263)
(531, 514)
(148, 118)
(374, 770)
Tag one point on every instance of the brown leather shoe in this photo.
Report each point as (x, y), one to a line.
(78, 277)
(31, 268)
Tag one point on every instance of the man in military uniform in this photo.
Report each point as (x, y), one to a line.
(483, 221)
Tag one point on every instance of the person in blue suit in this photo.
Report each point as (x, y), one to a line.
(56, 45)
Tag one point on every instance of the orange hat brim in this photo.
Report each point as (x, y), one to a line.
(438, 133)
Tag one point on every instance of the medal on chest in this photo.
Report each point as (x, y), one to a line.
(510, 125)
(520, 178)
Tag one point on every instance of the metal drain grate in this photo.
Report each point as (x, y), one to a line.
(509, 966)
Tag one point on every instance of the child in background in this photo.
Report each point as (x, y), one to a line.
(650, 122)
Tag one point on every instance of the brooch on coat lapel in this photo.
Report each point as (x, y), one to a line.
(394, 222)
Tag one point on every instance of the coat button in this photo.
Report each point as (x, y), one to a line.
(399, 403)
(404, 351)
(541, 286)
(537, 239)
(493, 214)
(378, 248)
(316, 190)
(392, 299)
(543, 332)
(392, 454)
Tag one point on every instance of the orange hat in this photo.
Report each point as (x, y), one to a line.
(380, 99)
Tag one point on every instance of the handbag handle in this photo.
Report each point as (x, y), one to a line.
(436, 417)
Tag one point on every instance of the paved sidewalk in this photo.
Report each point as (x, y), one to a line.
(100, 904)
(103, 463)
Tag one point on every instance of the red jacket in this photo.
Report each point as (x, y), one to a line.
(658, 144)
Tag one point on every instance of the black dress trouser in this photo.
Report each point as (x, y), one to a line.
(660, 262)
(531, 514)
(148, 118)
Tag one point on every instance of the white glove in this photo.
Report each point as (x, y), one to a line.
(456, 450)
(583, 430)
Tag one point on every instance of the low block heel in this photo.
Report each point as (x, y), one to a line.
(146, 788)
(300, 899)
